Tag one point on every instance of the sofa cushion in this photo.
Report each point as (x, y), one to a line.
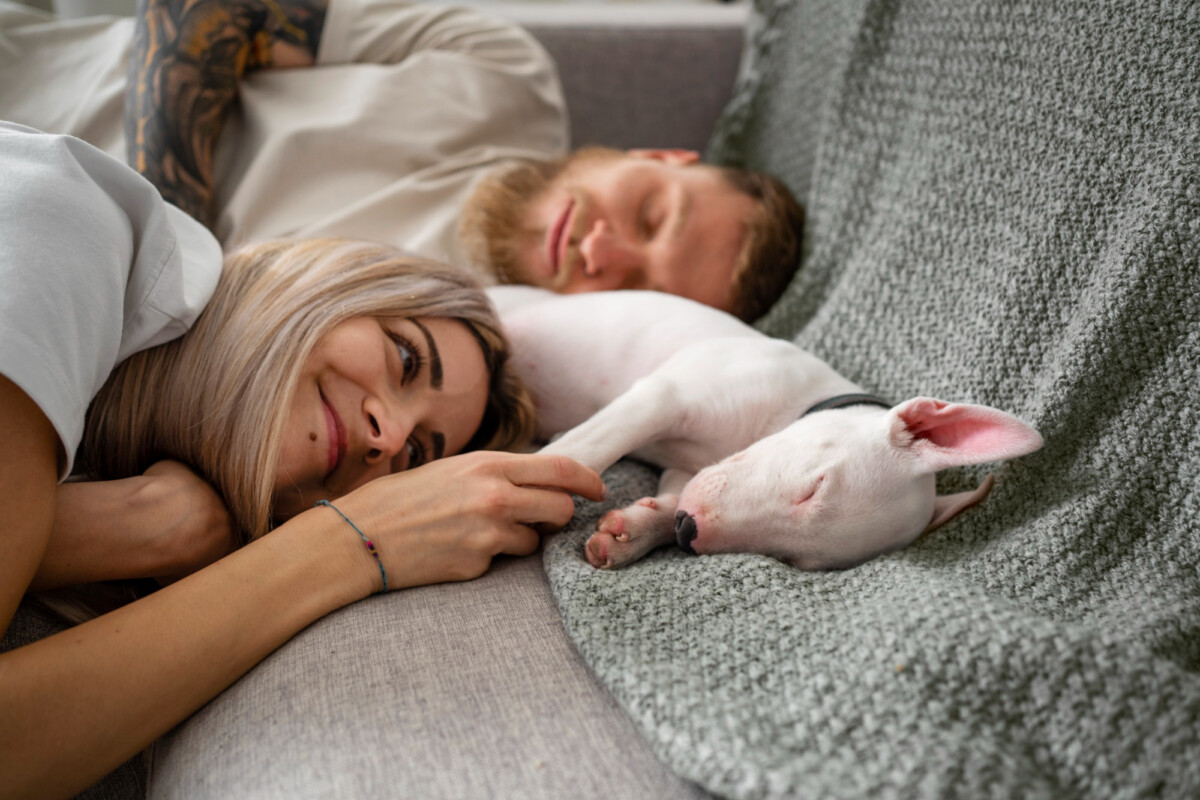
(638, 75)
(450, 691)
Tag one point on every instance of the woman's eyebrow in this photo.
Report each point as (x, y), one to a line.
(435, 361)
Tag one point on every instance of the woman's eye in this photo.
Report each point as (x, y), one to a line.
(410, 358)
(416, 453)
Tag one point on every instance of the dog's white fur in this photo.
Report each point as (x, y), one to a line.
(719, 406)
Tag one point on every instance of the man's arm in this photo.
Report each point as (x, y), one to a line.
(185, 64)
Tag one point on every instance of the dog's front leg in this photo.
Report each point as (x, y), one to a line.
(625, 535)
(648, 411)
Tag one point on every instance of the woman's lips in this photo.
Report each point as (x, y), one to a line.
(336, 436)
(557, 238)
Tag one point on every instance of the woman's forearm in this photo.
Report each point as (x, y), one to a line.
(76, 704)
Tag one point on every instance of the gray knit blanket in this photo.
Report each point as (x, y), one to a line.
(1005, 209)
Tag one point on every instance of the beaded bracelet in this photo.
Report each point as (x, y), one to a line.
(370, 545)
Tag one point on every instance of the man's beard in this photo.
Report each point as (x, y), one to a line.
(494, 222)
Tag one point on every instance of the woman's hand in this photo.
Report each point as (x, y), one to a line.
(164, 524)
(195, 526)
(446, 520)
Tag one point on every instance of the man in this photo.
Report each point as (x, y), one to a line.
(392, 148)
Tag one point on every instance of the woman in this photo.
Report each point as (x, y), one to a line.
(302, 382)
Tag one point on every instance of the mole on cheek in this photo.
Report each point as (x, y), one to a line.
(312, 437)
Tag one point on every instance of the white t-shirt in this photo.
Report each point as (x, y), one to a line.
(410, 106)
(94, 266)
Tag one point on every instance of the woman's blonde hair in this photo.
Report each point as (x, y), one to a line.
(218, 398)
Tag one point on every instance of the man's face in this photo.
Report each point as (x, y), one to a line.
(638, 220)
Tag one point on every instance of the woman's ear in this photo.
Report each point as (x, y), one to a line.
(675, 157)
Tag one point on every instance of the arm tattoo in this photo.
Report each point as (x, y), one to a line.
(185, 64)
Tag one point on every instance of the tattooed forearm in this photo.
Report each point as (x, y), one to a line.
(186, 61)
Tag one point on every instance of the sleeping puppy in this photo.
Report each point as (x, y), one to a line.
(764, 447)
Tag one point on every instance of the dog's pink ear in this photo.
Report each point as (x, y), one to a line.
(948, 506)
(945, 435)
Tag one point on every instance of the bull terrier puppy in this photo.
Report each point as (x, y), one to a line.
(764, 447)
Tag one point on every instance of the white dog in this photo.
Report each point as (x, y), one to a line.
(765, 448)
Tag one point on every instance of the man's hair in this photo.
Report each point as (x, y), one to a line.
(494, 211)
(771, 251)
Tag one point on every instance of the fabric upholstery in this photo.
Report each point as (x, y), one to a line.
(450, 691)
(638, 75)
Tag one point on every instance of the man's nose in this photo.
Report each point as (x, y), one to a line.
(604, 250)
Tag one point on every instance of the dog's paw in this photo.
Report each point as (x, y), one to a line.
(627, 534)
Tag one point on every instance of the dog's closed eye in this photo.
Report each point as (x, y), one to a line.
(809, 492)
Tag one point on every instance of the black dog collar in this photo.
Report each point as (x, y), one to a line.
(843, 400)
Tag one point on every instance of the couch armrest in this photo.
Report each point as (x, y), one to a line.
(639, 75)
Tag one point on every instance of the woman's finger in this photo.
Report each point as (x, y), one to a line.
(533, 505)
(555, 472)
(522, 540)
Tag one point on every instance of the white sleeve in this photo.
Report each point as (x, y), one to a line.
(389, 31)
(94, 265)
(386, 151)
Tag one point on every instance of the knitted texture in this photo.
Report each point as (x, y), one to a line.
(1004, 209)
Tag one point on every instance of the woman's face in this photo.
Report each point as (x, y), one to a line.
(378, 396)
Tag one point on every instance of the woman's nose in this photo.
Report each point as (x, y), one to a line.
(387, 435)
(604, 250)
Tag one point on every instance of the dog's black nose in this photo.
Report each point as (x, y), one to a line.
(685, 530)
